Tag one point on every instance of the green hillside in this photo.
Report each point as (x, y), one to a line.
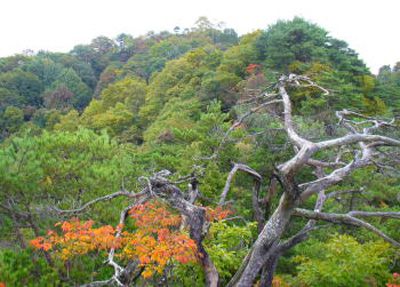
(166, 123)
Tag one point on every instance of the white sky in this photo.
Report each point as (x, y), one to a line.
(370, 27)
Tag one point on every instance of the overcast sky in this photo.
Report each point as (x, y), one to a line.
(370, 27)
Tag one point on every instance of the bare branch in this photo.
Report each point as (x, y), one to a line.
(241, 119)
(356, 138)
(344, 219)
(103, 198)
(299, 237)
(320, 163)
(121, 274)
(237, 167)
(383, 214)
(334, 177)
(262, 95)
(288, 121)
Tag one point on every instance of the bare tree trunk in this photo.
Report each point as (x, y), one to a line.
(263, 248)
(198, 226)
(267, 274)
(212, 276)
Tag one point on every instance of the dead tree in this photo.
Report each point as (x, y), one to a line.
(261, 261)
(364, 143)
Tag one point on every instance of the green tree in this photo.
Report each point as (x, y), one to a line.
(298, 40)
(388, 87)
(56, 169)
(45, 69)
(27, 85)
(129, 90)
(70, 80)
(180, 78)
(11, 120)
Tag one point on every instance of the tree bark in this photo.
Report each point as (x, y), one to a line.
(267, 274)
(267, 240)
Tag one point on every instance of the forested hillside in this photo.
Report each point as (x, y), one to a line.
(199, 157)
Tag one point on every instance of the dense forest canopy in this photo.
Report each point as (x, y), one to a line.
(200, 157)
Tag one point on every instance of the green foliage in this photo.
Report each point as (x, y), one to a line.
(177, 117)
(45, 69)
(342, 261)
(288, 41)
(26, 85)
(46, 118)
(228, 245)
(129, 90)
(68, 122)
(11, 119)
(107, 76)
(154, 58)
(59, 168)
(22, 268)
(180, 78)
(113, 120)
(10, 98)
(298, 40)
(238, 57)
(388, 87)
(220, 86)
(70, 79)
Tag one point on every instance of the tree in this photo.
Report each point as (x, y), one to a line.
(83, 69)
(331, 169)
(70, 80)
(10, 98)
(54, 167)
(59, 98)
(126, 46)
(109, 75)
(27, 85)
(180, 78)
(45, 69)
(388, 87)
(102, 45)
(114, 120)
(156, 242)
(269, 246)
(97, 54)
(237, 58)
(129, 90)
(11, 120)
(298, 40)
(153, 59)
(222, 86)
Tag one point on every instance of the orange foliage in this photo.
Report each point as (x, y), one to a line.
(156, 241)
(395, 282)
(279, 282)
(217, 214)
(77, 238)
(2, 284)
(253, 68)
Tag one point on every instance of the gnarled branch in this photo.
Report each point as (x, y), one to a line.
(349, 219)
